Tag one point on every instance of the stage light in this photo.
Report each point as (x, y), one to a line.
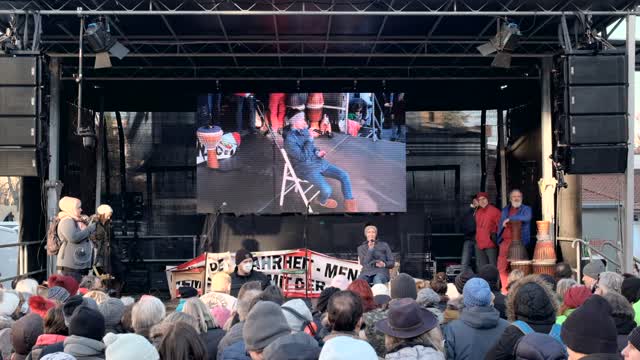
(503, 43)
(98, 37)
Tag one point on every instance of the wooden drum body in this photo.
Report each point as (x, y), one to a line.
(525, 266)
(210, 136)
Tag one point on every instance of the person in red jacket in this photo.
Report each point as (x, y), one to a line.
(487, 218)
(277, 110)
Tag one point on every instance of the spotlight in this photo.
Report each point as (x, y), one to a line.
(98, 37)
(503, 43)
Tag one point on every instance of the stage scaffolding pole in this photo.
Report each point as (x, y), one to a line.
(53, 183)
(629, 201)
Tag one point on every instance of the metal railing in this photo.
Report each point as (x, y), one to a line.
(579, 243)
(22, 260)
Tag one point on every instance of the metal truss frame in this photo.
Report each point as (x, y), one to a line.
(436, 8)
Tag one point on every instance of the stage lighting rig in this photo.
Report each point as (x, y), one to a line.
(503, 44)
(98, 37)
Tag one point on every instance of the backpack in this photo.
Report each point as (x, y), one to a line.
(535, 345)
(53, 240)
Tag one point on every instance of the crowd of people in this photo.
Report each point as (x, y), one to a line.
(245, 317)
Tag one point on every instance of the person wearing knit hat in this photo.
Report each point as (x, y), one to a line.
(112, 310)
(58, 356)
(479, 320)
(298, 346)
(380, 294)
(487, 222)
(310, 164)
(58, 293)
(245, 273)
(573, 299)
(344, 347)
(429, 299)
(184, 293)
(632, 350)
(86, 330)
(67, 282)
(298, 316)
(29, 286)
(462, 279)
(403, 286)
(600, 338)
(129, 347)
(265, 323)
(375, 256)
(24, 334)
(39, 305)
(9, 302)
(591, 273)
(340, 282)
(531, 301)
(491, 275)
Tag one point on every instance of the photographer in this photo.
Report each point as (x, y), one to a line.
(74, 257)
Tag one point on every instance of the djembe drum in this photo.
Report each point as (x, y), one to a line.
(315, 101)
(210, 136)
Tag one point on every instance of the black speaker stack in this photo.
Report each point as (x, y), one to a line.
(20, 108)
(590, 111)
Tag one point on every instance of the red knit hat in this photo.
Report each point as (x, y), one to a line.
(67, 282)
(482, 194)
(39, 305)
(576, 296)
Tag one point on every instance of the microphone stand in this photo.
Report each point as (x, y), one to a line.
(306, 252)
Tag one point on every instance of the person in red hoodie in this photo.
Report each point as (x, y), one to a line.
(55, 331)
(487, 218)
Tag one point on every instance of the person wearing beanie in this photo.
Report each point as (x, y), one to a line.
(632, 348)
(623, 316)
(58, 356)
(297, 346)
(591, 273)
(487, 222)
(631, 291)
(129, 347)
(55, 332)
(403, 286)
(478, 320)
(86, 330)
(68, 283)
(455, 305)
(39, 305)
(573, 299)
(9, 302)
(112, 311)
(219, 292)
(491, 275)
(27, 286)
(58, 294)
(24, 334)
(531, 301)
(265, 323)
(599, 339)
(345, 347)
(298, 316)
(184, 293)
(245, 273)
(76, 252)
(380, 294)
(310, 164)
(375, 256)
(428, 299)
(340, 282)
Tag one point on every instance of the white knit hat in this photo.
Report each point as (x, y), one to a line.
(296, 117)
(9, 303)
(379, 289)
(29, 286)
(129, 347)
(104, 209)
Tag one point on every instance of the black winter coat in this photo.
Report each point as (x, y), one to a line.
(504, 349)
(237, 281)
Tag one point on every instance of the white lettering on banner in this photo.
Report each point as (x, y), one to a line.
(323, 269)
(196, 284)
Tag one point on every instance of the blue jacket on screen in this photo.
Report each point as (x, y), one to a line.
(523, 215)
(302, 153)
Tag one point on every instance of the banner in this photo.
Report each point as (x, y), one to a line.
(286, 269)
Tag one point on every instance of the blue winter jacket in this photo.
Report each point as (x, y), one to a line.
(303, 153)
(523, 215)
(236, 351)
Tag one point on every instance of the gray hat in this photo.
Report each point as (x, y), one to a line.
(593, 269)
(265, 323)
(298, 346)
(403, 286)
(112, 310)
(428, 298)
(58, 293)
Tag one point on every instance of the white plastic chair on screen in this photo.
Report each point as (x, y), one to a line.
(290, 181)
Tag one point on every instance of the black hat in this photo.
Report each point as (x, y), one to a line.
(242, 255)
(634, 338)
(631, 289)
(600, 339)
(88, 323)
(491, 275)
(406, 319)
(186, 292)
(532, 303)
(462, 279)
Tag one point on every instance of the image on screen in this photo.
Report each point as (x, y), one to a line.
(301, 152)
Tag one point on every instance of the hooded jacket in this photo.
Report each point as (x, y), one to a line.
(43, 341)
(473, 334)
(76, 249)
(84, 348)
(231, 337)
(416, 352)
(303, 153)
(536, 305)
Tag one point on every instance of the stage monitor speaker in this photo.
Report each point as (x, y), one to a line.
(610, 99)
(17, 131)
(19, 101)
(595, 159)
(596, 69)
(19, 70)
(18, 162)
(593, 129)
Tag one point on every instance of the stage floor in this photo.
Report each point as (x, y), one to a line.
(250, 181)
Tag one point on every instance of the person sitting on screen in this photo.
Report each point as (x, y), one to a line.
(375, 257)
(310, 164)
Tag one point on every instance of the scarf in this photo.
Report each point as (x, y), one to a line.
(68, 205)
